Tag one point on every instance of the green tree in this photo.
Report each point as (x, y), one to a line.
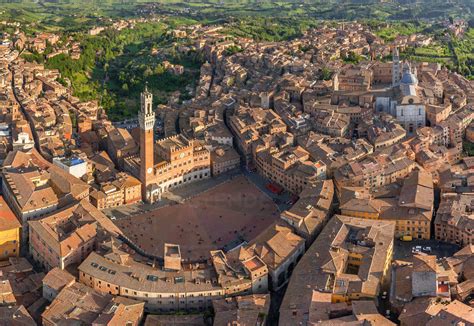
(159, 69)
(326, 74)
(148, 72)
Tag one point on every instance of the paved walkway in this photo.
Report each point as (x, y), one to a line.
(282, 201)
(175, 196)
(193, 189)
(181, 194)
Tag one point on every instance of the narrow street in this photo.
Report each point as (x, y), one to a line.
(22, 109)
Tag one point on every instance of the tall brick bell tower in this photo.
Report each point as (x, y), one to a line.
(146, 118)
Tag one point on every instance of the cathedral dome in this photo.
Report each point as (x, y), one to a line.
(409, 79)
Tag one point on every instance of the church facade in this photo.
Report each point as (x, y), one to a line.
(403, 103)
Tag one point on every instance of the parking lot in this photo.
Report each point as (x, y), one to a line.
(403, 249)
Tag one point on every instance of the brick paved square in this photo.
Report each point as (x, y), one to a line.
(231, 211)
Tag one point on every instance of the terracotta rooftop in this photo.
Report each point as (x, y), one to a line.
(455, 313)
(57, 279)
(275, 244)
(65, 230)
(322, 268)
(80, 304)
(15, 316)
(175, 320)
(242, 310)
(424, 263)
(127, 273)
(8, 220)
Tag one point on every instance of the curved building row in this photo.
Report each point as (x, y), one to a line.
(173, 286)
(190, 288)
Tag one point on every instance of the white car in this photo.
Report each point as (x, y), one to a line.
(427, 249)
(113, 218)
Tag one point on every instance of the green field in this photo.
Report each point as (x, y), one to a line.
(457, 53)
(463, 49)
(75, 15)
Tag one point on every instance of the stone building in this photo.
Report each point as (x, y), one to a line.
(424, 279)
(168, 163)
(347, 262)
(67, 236)
(454, 222)
(404, 102)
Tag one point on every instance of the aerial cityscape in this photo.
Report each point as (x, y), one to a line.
(237, 163)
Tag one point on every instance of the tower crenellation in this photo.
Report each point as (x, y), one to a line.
(146, 116)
